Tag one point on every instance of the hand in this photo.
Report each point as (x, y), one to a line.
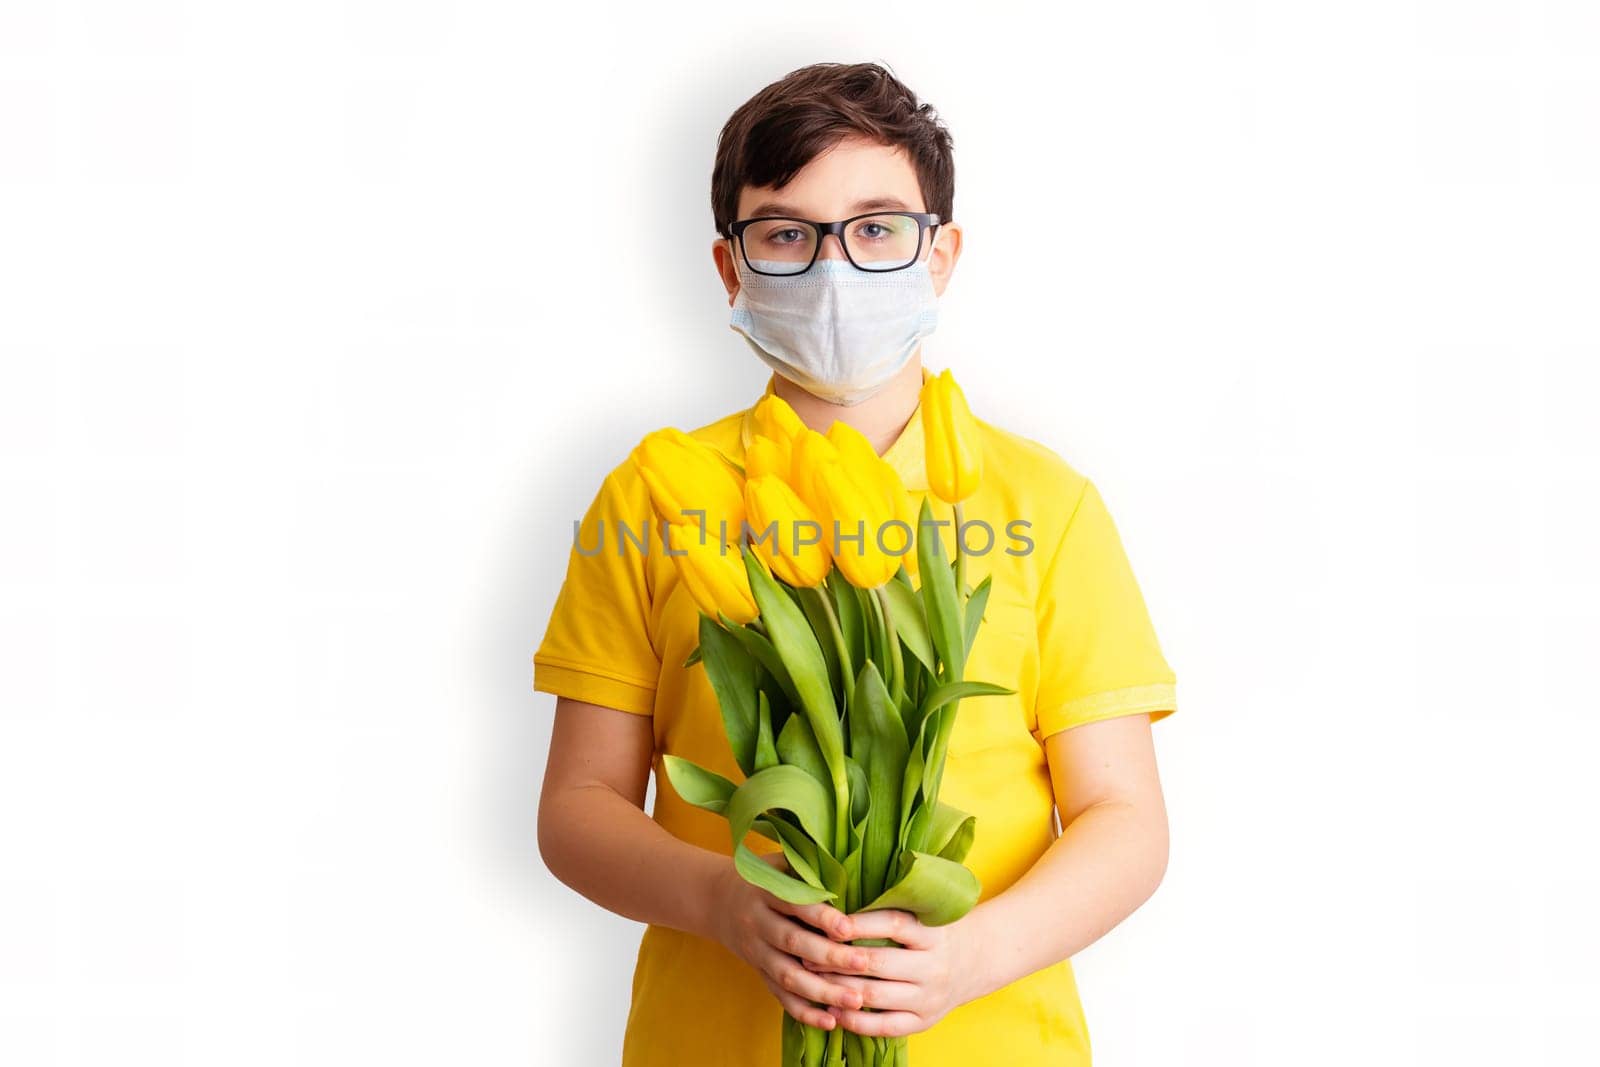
(909, 988)
(769, 934)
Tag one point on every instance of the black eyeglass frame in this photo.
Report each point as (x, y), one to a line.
(925, 220)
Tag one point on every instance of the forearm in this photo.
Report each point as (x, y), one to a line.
(1106, 863)
(605, 847)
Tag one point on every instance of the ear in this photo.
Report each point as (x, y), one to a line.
(942, 260)
(722, 253)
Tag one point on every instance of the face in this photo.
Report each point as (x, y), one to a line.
(855, 176)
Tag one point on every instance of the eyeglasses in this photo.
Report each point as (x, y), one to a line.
(879, 242)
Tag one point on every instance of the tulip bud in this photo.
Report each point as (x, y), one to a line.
(858, 505)
(954, 452)
(713, 573)
(766, 456)
(786, 532)
(774, 418)
(811, 452)
(687, 476)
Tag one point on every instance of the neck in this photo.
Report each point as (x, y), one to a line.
(880, 417)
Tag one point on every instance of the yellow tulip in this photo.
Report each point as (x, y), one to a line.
(766, 456)
(774, 418)
(852, 444)
(858, 505)
(781, 524)
(811, 452)
(713, 573)
(686, 475)
(855, 450)
(954, 454)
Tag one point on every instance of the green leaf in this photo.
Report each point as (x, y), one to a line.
(790, 789)
(852, 872)
(951, 832)
(878, 735)
(833, 874)
(936, 890)
(766, 754)
(693, 657)
(732, 673)
(939, 595)
(848, 606)
(797, 646)
(911, 783)
(761, 649)
(910, 622)
(917, 828)
(797, 746)
(951, 692)
(782, 787)
(816, 613)
(941, 705)
(696, 785)
(759, 872)
(798, 849)
(860, 793)
(973, 612)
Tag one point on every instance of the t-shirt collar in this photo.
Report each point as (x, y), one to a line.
(906, 455)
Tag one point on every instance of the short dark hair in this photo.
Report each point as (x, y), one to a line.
(783, 127)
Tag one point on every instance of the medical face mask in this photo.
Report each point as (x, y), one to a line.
(839, 333)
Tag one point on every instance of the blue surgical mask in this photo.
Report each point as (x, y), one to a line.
(837, 332)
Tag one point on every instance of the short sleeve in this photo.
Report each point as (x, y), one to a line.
(1098, 653)
(597, 645)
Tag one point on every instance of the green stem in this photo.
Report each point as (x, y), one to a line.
(880, 631)
(846, 668)
(897, 684)
(961, 557)
(941, 742)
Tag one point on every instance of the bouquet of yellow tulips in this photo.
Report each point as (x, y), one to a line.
(837, 675)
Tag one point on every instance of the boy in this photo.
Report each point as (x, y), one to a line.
(832, 195)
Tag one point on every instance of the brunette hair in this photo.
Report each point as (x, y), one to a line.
(795, 119)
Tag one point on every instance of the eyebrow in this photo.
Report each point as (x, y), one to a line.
(878, 203)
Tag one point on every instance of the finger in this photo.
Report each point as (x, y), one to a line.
(825, 917)
(882, 993)
(897, 925)
(796, 979)
(903, 964)
(788, 936)
(802, 1009)
(878, 1023)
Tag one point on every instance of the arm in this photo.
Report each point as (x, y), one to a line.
(1108, 860)
(595, 836)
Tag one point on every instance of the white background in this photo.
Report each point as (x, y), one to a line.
(320, 322)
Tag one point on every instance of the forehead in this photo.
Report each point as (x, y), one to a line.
(854, 176)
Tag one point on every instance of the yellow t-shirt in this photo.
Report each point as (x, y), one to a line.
(1066, 627)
